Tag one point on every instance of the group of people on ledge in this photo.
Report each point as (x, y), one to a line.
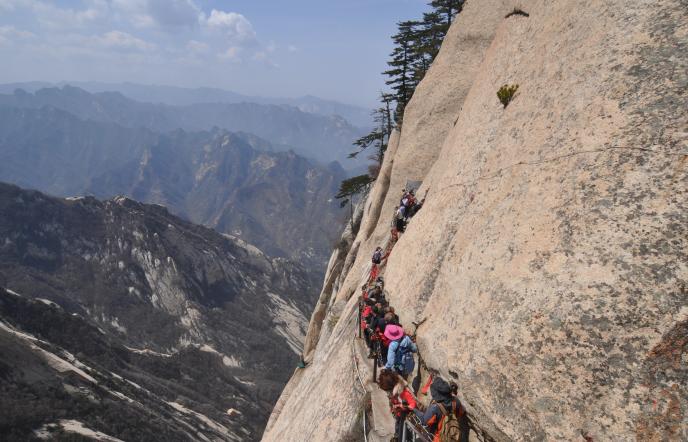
(408, 206)
(392, 349)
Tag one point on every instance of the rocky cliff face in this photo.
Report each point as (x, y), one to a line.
(188, 312)
(550, 257)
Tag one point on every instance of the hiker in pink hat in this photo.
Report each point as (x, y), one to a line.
(400, 350)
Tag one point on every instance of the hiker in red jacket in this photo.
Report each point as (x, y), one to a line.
(401, 399)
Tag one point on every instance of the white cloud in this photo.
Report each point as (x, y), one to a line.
(65, 18)
(231, 54)
(292, 48)
(121, 41)
(10, 35)
(11, 5)
(168, 15)
(233, 25)
(197, 46)
(11, 32)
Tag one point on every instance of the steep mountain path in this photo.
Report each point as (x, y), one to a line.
(383, 425)
(382, 428)
(383, 422)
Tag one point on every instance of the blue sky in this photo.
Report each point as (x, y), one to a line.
(329, 48)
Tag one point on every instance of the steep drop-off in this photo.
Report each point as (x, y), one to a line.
(205, 321)
(550, 257)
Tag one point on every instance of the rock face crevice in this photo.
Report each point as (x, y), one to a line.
(550, 257)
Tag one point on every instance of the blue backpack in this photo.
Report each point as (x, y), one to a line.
(403, 361)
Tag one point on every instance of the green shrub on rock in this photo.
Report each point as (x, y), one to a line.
(506, 93)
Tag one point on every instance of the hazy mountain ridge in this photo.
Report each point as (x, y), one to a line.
(323, 138)
(278, 201)
(180, 96)
(143, 278)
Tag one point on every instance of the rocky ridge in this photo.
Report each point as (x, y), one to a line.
(550, 257)
(233, 182)
(324, 138)
(175, 305)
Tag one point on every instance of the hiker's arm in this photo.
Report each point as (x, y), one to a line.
(390, 355)
(410, 400)
(430, 416)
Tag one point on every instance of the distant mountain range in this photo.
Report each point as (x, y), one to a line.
(279, 201)
(123, 321)
(139, 325)
(179, 96)
(323, 138)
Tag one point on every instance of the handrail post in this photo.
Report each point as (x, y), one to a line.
(376, 355)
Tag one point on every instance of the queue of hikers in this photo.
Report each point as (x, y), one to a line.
(392, 348)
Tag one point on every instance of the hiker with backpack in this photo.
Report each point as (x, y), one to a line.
(400, 218)
(400, 350)
(441, 418)
(377, 256)
(401, 400)
(376, 292)
(409, 203)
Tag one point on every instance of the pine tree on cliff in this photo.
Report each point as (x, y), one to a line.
(379, 136)
(431, 32)
(448, 10)
(401, 73)
(427, 42)
(350, 188)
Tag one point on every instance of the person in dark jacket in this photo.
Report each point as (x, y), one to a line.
(377, 256)
(442, 397)
(379, 323)
(394, 318)
(400, 218)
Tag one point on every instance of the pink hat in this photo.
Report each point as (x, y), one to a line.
(393, 332)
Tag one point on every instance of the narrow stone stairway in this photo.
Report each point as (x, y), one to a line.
(381, 426)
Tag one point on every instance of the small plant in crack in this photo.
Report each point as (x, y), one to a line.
(506, 93)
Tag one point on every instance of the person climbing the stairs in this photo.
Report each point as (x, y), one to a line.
(442, 417)
(393, 318)
(409, 203)
(401, 400)
(400, 351)
(377, 256)
(400, 219)
(376, 292)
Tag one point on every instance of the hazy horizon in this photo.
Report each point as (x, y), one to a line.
(333, 51)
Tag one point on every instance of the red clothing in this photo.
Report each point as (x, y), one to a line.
(403, 402)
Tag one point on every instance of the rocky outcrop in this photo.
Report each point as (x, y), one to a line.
(550, 257)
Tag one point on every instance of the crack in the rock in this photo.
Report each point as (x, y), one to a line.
(499, 172)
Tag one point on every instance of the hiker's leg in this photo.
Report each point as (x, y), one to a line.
(399, 427)
(464, 428)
